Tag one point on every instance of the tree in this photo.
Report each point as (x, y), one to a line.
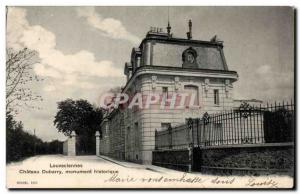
(116, 90)
(21, 144)
(79, 116)
(18, 76)
(114, 93)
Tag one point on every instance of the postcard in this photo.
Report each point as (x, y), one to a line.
(152, 97)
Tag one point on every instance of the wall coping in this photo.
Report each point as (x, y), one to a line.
(168, 149)
(242, 169)
(287, 144)
(248, 145)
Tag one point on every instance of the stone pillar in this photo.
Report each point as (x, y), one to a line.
(97, 135)
(65, 147)
(72, 144)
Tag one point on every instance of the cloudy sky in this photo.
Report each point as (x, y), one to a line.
(82, 50)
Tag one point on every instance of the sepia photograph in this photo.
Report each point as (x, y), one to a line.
(150, 97)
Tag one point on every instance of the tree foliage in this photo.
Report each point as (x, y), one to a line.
(79, 116)
(21, 144)
(18, 77)
(116, 90)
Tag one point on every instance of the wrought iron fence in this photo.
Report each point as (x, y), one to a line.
(172, 138)
(273, 123)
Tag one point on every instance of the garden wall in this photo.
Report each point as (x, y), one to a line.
(243, 159)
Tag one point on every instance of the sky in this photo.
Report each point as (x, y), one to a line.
(83, 50)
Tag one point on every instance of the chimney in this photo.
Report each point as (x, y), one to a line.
(189, 33)
(169, 28)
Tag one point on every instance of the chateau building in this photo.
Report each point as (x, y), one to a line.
(167, 65)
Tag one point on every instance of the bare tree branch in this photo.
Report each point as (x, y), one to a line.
(18, 75)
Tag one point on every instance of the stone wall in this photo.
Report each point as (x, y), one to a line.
(117, 136)
(112, 141)
(105, 139)
(174, 159)
(259, 159)
(253, 159)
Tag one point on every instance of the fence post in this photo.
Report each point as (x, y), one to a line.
(170, 136)
(198, 142)
(205, 120)
(156, 140)
(190, 144)
(189, 129)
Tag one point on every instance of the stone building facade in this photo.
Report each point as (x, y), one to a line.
(166, 65)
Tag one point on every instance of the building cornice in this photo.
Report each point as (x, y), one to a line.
(178, 71)
(181, 41)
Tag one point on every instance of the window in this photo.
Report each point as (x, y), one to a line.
(128, 138)
(136, 135)
(192, 91)
(165, 91)
(216, 97)
(189, 57)
(106, 129)
(165, 126)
